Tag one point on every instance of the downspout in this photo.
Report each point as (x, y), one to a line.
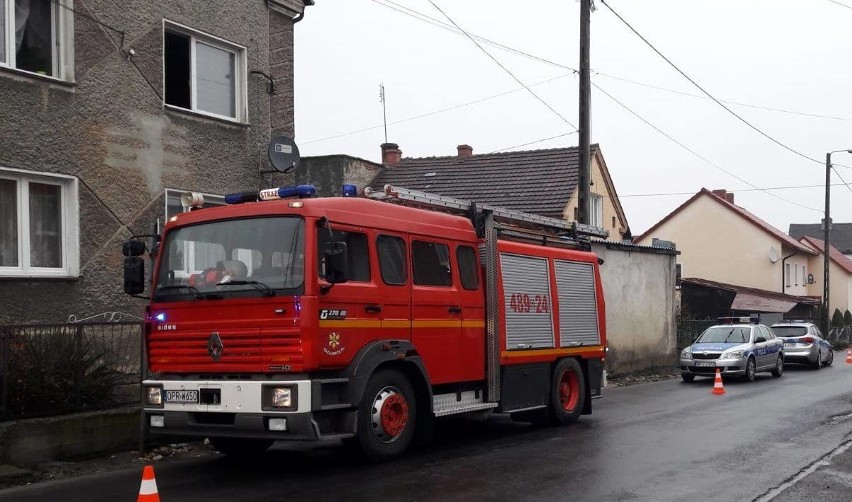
(783, 289)
(302, 14)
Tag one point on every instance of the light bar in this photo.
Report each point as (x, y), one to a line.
(272, 194)
(350, 191)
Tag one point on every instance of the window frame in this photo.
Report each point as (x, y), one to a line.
(62, 41)
(406, 260)
(596, 210)
(416, 272)
(69, 224)
(460, 263)
(240, 69)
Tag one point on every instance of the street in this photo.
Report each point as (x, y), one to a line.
(658, 441)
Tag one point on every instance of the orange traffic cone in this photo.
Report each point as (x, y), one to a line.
(148, 488)
(849, 356)
(718, 388)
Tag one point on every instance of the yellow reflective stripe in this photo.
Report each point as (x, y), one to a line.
(552, 352)
(359, 323)
(396, 323)
(401, 323)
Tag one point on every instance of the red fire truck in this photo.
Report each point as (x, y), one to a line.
(284, 316)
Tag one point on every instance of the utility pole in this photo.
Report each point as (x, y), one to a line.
(384, 108)
(583, 176)
(827, 227)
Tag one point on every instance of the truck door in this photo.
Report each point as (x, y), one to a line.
(394, 286)
(436, 310)
(473, 312)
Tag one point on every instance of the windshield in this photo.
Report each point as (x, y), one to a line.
(235, 257)
(786, 331)
(725, 334)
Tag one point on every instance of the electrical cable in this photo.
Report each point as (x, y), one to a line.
(669, 194)
(496, 61)
(840, 4)
(532, 142)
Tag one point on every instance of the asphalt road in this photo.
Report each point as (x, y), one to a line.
(659, 441)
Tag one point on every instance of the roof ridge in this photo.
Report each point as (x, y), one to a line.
(497, 154)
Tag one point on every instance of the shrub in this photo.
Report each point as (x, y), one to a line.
(847, 318)
(837, 319)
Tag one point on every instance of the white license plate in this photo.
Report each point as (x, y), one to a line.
(705, 364)
(181, 396)
(789, 344)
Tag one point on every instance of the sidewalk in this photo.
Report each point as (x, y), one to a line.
(830, 482)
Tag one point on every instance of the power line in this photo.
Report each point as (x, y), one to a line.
(532, 142)
(762, 189)
(840, 4)
(693, 152)
(498, 63)
(435, 112)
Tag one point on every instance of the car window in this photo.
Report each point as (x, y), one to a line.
(725, 334)
(767, 333)
(789, 331)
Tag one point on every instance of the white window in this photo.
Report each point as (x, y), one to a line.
(36, 36)
(804, 276)
(203, 73)
(38, 225)
(596, 210)
(787, 274)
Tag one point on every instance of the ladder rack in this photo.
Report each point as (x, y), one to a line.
(515, 219)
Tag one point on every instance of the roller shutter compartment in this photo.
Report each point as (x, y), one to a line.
(578, 311)
(526, 300)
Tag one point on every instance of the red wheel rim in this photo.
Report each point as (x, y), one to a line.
(569, 390)
(394, 415)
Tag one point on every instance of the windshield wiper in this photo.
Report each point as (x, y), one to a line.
(260, 286)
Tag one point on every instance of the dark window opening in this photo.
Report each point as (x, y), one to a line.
(357, 251)
(431, 264)
(34, 36)
(468, 267)
(177, 69)
(392, 259)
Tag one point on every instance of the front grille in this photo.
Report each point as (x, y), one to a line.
(696, 355)
(242, 350)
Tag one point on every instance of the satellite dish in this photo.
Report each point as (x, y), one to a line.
(773, 254)
(283, 153)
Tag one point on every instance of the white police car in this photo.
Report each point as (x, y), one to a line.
(739, 348)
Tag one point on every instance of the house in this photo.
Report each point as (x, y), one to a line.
(726, 248)
(839, 275)
(111, 110)
(840, 234)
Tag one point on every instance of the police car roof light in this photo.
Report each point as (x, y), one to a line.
(239, 198)
(349, 190)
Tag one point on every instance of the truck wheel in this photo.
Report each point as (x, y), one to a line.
(386, 415)
(568, 392)
(239, 447)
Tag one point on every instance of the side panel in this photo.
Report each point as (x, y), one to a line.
(526, 302)
(578, 315)
(525, 386)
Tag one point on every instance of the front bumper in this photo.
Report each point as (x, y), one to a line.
(236, 410)
(726, 366)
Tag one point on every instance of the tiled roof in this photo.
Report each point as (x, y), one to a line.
(746, 215)
(841, 234)
(833, 253)
(751, 291)
(534, 181)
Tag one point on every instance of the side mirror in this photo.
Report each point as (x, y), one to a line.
(133, 248)
(336, 262)
(134, 275)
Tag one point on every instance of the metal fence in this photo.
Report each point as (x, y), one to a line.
(689, 329)
(87, 364)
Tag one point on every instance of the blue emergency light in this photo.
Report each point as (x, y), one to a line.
(350, 191)
(271, 194)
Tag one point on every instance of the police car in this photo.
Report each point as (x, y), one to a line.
(804, 344)
(741, 347)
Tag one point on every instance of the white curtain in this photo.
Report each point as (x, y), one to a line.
(22, 15)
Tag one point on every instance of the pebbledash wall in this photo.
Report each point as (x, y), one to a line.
(88, 146)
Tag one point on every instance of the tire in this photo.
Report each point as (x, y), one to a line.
(779, 367)
(387, 416)
(240, 447)
(830, 357)
(567, 392)
(687, 377)
(751, 369)
(818, 364)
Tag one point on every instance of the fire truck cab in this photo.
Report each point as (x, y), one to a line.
(304, 318)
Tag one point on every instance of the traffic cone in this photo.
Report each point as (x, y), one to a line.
(718, 388)
(849, 356)
(148, 488)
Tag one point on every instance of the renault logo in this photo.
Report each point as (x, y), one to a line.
(214, 346)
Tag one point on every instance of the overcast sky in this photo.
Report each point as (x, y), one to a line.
(791, 55)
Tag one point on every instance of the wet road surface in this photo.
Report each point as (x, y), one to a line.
(659, 441)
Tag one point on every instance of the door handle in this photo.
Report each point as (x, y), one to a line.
(454, 310)
(373, 308)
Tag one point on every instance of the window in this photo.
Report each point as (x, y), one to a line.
(613, 222)
(38, 225)
(796, 274)
(36, 36)
(804, 276)
(356, 249)
(431, 262)
(203, 74)
(468, 267)
(678, 273)
(596, 211)
(392, 259)
(174, 205)
(787, 274)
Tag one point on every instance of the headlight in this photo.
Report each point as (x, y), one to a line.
(736, 354)
(154, 396)
(686, 354)
(281, 397)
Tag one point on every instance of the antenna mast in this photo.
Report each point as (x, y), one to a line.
(384, 108)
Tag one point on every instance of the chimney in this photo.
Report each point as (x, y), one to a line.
(391, 154)
(465, 150)
(724, 194)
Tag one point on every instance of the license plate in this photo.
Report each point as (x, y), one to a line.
(181, 396)
(789, 344)
(705, 364)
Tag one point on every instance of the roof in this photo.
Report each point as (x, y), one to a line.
(534, 181)
(739, 211)
(833, 253)
(757, 300)
(841, 234)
